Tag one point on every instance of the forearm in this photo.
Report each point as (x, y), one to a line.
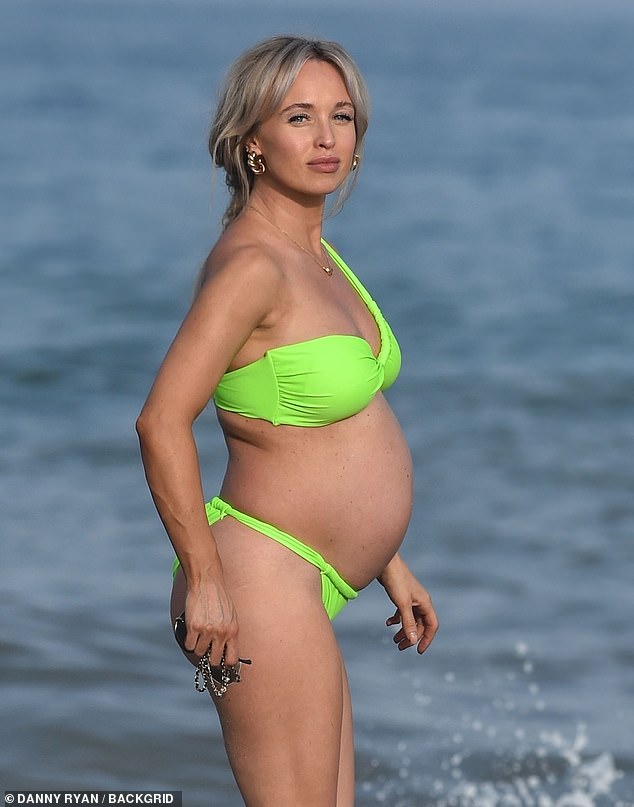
(170, 460)
(396, 563)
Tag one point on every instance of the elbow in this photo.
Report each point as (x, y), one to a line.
(144, 432)
(142, 424)
(157, 425)
(147, 425)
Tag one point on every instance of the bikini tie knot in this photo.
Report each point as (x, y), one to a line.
(220, 506)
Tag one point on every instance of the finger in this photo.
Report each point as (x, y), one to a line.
(425, 641)
(204, 639)
(202, 646)
(409, 629)
(216, 651)
(406, 642)
(231, 653)
(191, 640)
(400, 636)
(412, 632)
(395, 619)
(428, 635)
(424, 644)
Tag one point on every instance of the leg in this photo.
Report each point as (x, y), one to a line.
(345, 783)
(283, 730)
(287, 725)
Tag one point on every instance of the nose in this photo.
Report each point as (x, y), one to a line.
(326, 134)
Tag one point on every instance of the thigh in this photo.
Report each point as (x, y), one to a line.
(345, 780)
(284, 724)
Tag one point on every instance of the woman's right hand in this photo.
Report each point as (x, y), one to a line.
(211, 621)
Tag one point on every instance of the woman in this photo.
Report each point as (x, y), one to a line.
(317, 494)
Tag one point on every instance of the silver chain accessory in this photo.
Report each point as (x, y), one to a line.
(203, 671)
(214, 679)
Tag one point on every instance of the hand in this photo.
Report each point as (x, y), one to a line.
(211, 621)
(414, 610)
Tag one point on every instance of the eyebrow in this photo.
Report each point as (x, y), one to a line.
(304, 105)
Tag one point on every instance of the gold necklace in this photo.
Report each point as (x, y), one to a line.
(326, 267)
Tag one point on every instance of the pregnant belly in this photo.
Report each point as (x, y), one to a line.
(345, 489)
(370, 511)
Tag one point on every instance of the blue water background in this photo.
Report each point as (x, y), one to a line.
(493, 221)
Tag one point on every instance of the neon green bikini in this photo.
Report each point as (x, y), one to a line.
(312, 383)
(316, 382)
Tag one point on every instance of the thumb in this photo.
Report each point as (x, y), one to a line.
(408, 624)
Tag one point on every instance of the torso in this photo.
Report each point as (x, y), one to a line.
(345, 488)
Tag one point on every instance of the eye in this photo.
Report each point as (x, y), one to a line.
(344, 116)
(299, 117)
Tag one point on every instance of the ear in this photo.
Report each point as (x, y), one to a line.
(252, 145)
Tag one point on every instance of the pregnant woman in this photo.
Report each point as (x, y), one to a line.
(317, 494)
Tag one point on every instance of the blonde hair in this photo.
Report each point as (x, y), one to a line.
(255, 87)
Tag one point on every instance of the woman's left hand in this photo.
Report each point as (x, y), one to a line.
(414, 610)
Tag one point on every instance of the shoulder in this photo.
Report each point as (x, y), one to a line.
(245, 265)
(239, 265)
(240, 270)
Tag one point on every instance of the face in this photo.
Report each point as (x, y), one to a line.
(308, 143)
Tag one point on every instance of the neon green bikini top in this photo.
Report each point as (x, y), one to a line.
(318, 381)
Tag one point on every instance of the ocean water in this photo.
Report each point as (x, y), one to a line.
(493, 222)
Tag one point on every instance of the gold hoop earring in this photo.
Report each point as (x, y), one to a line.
(255, 162)
(355, 162)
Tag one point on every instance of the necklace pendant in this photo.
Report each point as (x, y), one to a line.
(326, 267)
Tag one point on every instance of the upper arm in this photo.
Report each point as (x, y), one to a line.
(234, 299)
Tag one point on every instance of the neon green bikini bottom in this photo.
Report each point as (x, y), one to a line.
(335, 592)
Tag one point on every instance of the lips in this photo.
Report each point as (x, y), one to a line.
(325, 164)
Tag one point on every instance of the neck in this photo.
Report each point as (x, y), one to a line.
(301, 217)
